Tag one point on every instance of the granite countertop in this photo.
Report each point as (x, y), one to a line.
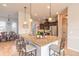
(41, 41)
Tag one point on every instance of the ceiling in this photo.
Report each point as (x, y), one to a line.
(39, 10)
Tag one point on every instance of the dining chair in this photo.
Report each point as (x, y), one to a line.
(57, 50)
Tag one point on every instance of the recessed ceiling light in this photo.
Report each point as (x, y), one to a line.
(48, 7)
(4, 5)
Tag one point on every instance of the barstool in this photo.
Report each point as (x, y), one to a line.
(19, 46)
(29, 49)
(57, 49)
(25, 48)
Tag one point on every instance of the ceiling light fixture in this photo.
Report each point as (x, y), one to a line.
(31, 12)
(48, 7)
(30, 19)
(25, 15)
(50, 17)
(25, 22)
(8, 21)
(4, 5)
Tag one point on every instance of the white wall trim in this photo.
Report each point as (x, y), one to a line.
(73, 49)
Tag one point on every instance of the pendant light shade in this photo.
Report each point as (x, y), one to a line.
(25, 16)
(8, 18)
(30, 19)
(8, 22)
(25, 22)
(50, 17)
(30, 13)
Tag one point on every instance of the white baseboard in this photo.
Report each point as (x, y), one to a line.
(73, 49)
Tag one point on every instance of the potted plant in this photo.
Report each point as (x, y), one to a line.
(38, 34)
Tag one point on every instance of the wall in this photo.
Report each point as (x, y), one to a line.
(73, 27)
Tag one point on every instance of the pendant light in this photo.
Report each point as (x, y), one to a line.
(25, 16)
(31, 12)
(8, 18)
(8, 22)
(50, 17)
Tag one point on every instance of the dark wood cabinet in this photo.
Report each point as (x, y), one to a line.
(53, 23)
(46, 25)
(41, 26)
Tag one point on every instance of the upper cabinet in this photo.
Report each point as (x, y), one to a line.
(41, 26)
(46, 25)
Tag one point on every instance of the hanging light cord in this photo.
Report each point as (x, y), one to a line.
(30, 10)
(25, 12)
(50, 9)
(8, 18)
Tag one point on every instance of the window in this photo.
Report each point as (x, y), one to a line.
(14, 26)
(2, 26)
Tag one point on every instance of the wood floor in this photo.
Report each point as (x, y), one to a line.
(9, 49)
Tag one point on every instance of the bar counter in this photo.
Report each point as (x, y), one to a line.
(40, 41)
(42, 44)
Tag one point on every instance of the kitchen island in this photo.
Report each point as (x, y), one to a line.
(42, 44)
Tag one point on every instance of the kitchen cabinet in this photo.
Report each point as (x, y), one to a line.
(41, 26)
